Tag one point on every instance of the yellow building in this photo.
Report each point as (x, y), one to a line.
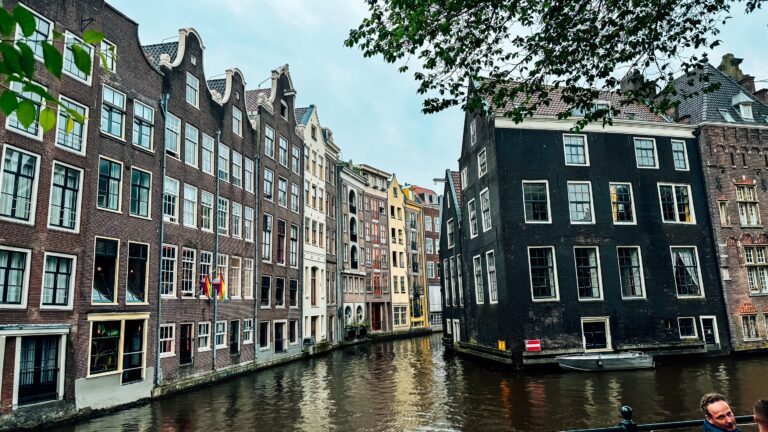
(399, 259)
(417, 277)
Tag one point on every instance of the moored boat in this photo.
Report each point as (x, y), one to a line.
(606, 361)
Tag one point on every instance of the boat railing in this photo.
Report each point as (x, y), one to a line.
(628, 424)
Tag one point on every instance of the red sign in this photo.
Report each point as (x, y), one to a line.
(533, 345)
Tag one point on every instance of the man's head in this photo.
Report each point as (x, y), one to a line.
(717, 411)
(761, 414)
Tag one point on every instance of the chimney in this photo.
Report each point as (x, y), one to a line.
(729, 65)
(634, 81)
(762, 94)
(748, 82)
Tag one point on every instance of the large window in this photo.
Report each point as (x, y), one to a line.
(248, 278)
(580, 202)
(190, 206)
(70, 68)
(138, 273)
(269, 142)
(588, 273)
(676, 203)
(631, 272)
(234, 277)
(188, 266)
(114, 340)
(237, 169)
(171, 200)
(757, 268)
(749, 210)
(110, 181)
(168, 271)
(43, 32)
(34, 130)
(141, 186)
(73, 139)
(64, 211)
(541, 264)
(477, 267)
(206, 160)
(248, 224)
(14, 277)
(266, 238)
(686, 270)
(237, 220)
(485, 209)
(248, 176)
(536, 199)
(18, 185)
(575, 148)
(143, 125)
(680, 155)
(112, 112)
(58, 280)
(645, 153)
(191, 140)
(105, 270)
(622, 203)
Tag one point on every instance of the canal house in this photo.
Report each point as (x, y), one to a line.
(398, 251)
(355, 258)
(592, 241)
(430, 204)
(333, 289)
(733, 143)
(417, 281)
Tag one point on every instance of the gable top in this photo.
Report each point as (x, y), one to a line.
(266, 97)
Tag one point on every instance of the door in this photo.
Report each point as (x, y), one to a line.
(594, 335)
(375, 317)
(185, 353)
(279, 337)
(234, 337)
(38, 369)
(709, 332)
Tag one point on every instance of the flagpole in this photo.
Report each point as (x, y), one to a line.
(216, 253)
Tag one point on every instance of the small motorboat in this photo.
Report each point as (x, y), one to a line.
(606, 361)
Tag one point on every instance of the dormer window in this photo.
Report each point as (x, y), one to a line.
(727, 116)
(314, 132)
(744, 104)
(745, 111)
(193, 60)
(284, 109)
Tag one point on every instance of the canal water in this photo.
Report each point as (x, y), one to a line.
(415, 385)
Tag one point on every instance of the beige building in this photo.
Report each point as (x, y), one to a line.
(398, 254)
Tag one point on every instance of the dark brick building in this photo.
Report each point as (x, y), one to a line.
(602, 244)
(333, 294)
(733, 143)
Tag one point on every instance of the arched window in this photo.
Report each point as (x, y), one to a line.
(348, 315)
(352, 202)
(352, 229)
(353, 256)
(360, 315)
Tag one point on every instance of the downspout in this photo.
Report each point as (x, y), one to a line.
(158, 372)
(339, 265)
(216, 253)
(256, 283)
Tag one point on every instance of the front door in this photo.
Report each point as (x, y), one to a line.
(185, 355)
(375, 317)
(38, 369)
(709, 331)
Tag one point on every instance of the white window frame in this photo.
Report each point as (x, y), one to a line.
(193, 223)
(79, 205)
(216, 334)
(109, 54)
(25, 282)
(655, 153)
(145, 120)
(191, 130)
(450, 233)
(464, 178)
(174, 151)
(473, 231)
(642, 272)
(586, 150)
(35, 184)
(71, 289)
(123, 109)
(247, 325)
(685, 155)
(482, 212)
(20, 36)
(212, 208)
(674, 200)
(549, 202)
(698, 271)
(480, 171)
(60, 127)
(492, 282)
(591, 220)
(119, 208)
(556, 297)
(174, 218)
(211, 155)
(237, 121)
(70, 73)
(695, 329)
(248, 172)
(599, 275)
(632, 199)
(207, 336)
(196, 88)
(608, 337)
(473, 132)
(174, 271)
(172, 338)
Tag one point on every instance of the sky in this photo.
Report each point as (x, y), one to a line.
(373, 110)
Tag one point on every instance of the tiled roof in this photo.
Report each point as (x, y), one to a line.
(707, 107)
(556, 106)
(421, 190)
(303, 114)
(747, 308)
(252, 98)
(153, 52)
(218, 85)
(457, 185)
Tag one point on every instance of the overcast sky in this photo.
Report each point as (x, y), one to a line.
(373, 110)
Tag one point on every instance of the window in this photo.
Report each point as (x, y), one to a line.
(576, 151)
(676, 204)
(190, 206)
(536, 199)
(171, 200)
(168, 271)
(109, 184)
(73, 139)
(279, 292)
(264, 335)
(206, 211)
(248, 180)
(631, 272)
(464, 178)
(222, 219)
(294, 247)
(207, 154)
(69, 58)
(485, 209)
(725, 217)
(266, 294)
(64, 211)
(237, 121)
(283, 109)
(172, 135)
(223, 163)
(33, 130)
(120, 339)
(112, 112)
(43, 29)
(191, 139)
(757, 268)
(726, 116)
(749, 327)
(580, 202)
(283, 152)
(234, 277)
(58, 279)
(237, 169)
(541, 264)
(167, 342)
(188, 279)
(248, 278)
(622, 203)
(686, 270)
(193, 90)
(14, 278)
(430, 269)
(143, 125)
(399, 315)
(237, 219)
(473, 132)
(221, 334)
(248, 224)
(280, 252)
(247, 331)
(105, 270)
(109, 51)
(269, 180)
(204, 336)
(18, 185)
(745, 111)
(294, 293)
(687, 327)
(588, 279)
(493, 292)
(294, 198)
(138, 273)
(269, 142)
(450, 233)
(749, 210)
(206, 261)
(680, 155)
(645, 153)
(282, 192)
(266, 238)
(482, 163)
(596, 334)
(477, 267)
(428, 245)
(295, 167)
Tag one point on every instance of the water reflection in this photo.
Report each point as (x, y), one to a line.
(414, 385)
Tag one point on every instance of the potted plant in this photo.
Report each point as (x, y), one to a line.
(351, 330)
(363, 328)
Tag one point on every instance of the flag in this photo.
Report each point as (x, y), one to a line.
(222, 288)
(207, 286)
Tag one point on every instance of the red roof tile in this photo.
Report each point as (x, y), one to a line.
(747, 308)
(457, 185)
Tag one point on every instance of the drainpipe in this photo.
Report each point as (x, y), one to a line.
(158, 372)
(339, 263)
(257, 261)
(216, 251)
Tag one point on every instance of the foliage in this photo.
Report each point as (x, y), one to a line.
(18, 66)
(522, 51)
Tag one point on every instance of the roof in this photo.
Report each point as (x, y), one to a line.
(153, 52)
(252, 98)
(556, 106)
(303, 114)
(456, 185)
(421, 190)
(218, 85)
(709, 107)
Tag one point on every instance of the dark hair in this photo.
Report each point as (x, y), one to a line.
(761, 408)
(709, 399)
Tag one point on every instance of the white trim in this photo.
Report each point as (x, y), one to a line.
(481, 173)
(642, 272)
(619, 126)
(599, 275)
(207, 347)
(172, 326)
(35, 183)
(556, 296)
(474, 278)
(25, 282)
(15, 86)
(488, 276)
(83, 145)
(80, 191)
(685, 153)
(471, 209)
(149, 197)
(674, 201)
(591, 202)
(197, 89)
(695, 329)
(269, 335)
(608, 340)
(632, 200)
(215, 332)
(698, 270)
(714, 328)
(549, 209)
(17, 373)
(71, 289)
(89, 75)
(19, 36)
(121, 137)
(586, 150)
(482, 214)
(655, 152)
(62, 359)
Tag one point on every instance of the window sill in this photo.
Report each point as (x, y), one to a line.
(203, 349)
(166, 355)
(752, 227)
(109, 135)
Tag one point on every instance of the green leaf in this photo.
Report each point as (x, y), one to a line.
(53, 59)
(25, 19)
(26, 112)
(82, 58)
(38, 90)
(47, 119)
(11, 58)
(27, 59)
(70, 124)
(8, 102)
(93, 37)
(7, 23)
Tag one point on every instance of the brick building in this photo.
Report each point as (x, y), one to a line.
(333, 288)
(430, 202)
(417, 278)
(352, 241)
